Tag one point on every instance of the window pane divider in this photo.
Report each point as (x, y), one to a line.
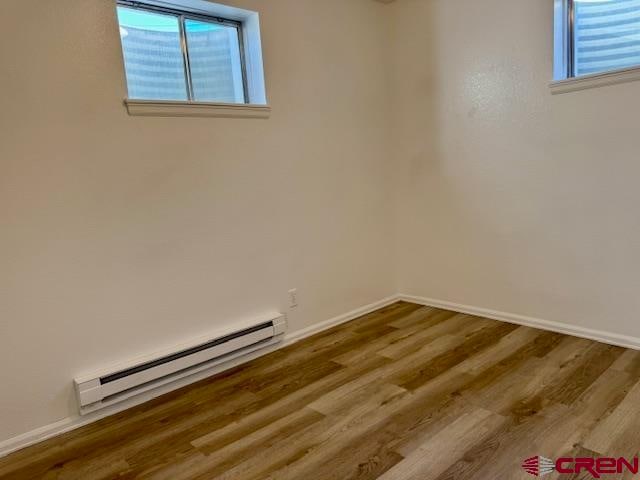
(571, 38)
(185, 57)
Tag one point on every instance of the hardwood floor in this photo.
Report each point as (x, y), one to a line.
(404, 393)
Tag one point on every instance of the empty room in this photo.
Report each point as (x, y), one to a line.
(319, 239)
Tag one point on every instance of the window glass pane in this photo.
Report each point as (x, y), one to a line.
(607, 35)
(152, 54)
(214, 57)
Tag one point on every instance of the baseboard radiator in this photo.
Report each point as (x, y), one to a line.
(118, 383)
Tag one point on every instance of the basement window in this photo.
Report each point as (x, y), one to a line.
(192, 53)
(597, 42)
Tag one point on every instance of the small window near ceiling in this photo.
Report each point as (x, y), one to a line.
(184, 55)
(596, 36)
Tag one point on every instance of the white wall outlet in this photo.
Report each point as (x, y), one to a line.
(293, 298)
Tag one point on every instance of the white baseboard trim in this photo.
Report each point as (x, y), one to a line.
(71, 423)
(340, 319)
(559, 327)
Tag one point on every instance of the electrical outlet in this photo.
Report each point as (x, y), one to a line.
(293, 298)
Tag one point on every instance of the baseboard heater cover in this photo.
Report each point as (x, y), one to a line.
(109, 386)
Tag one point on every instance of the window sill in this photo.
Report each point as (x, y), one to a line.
(596, 80)
(165, 108)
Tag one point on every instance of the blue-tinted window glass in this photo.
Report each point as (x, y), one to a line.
(607, 35)
(153, 56)
(214, 58)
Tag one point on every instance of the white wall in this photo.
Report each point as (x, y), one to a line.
(121, 234)
(510, 198)
(422, 132)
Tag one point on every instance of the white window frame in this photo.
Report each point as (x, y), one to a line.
(256, 105)
(564, 79)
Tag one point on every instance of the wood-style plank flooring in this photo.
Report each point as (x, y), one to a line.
(404, 393)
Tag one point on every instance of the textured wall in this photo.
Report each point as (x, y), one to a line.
(510, 198)
(123, 234)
